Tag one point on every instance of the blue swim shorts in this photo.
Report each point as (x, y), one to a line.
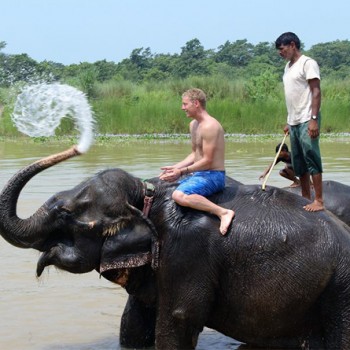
(203, 183)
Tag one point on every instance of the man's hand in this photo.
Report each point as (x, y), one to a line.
(313, 129)
(165, 170)
(286, 129)
(169, 173)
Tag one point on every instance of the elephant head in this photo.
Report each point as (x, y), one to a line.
(96, 225)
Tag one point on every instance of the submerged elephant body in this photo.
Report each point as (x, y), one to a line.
(279, 278)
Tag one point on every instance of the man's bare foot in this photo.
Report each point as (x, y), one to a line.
(314, 206)
(295, 184)
(226, 221)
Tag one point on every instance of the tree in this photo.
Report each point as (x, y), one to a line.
(165, 64)
(235, 54)
(333, 55)
(16, 68)
(267, 53)
(265, 57)
(141, 58)
(136, 66)
(193, 60)
(105, 70)
(50, 71)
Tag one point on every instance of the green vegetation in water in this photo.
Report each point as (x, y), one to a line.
(112, 140)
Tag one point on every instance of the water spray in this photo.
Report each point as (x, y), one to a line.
(39, 109)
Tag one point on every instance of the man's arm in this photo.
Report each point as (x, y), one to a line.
(262, 176)
(315, 88)
(173, 172)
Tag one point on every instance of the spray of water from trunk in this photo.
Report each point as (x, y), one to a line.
(39, 109)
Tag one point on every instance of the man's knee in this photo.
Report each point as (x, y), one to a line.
(178, 197)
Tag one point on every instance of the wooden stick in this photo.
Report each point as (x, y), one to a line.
(274, 162)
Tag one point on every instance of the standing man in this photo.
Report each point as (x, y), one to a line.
(301, 81)
(205, 163)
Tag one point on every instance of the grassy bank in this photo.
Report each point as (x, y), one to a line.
(254, 107)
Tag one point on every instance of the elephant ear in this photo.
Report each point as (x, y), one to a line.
(132, 246)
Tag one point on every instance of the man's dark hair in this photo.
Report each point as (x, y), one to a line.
(284, 147)
(286, 39)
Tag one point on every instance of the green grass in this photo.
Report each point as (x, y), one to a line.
(122, 107)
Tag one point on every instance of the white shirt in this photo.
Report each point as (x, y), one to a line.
(297, 91)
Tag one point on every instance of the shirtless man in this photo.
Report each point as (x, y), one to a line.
(205, 163)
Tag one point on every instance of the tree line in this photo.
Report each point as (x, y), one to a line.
(234, 60)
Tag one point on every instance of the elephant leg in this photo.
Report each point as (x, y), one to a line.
(137, 328)
(175, 332)
(180, 320)
(337, 329)
(178, 335)
(335, 308)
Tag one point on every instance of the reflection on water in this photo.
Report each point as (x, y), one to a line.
(66, 311)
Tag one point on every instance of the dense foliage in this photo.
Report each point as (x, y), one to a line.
(239, 59)
(242, 80)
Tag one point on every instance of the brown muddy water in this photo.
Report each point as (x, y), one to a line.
(65, 311)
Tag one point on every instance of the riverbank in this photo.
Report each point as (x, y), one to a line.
(113, 139)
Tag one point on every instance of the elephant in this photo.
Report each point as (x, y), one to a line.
(336, 198)
(279, 278)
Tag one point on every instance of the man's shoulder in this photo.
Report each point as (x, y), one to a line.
(307, 60)
(210, 121)
(304, 57)
(311, 67)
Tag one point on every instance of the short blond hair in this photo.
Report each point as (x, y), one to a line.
(196, 95)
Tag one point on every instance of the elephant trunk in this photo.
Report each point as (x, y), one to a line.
(31, 232)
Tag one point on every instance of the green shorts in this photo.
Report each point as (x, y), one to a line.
(305, 151)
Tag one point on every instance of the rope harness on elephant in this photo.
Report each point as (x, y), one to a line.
(149, 190)
(148, 200)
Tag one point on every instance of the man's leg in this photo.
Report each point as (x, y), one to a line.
(289, 174)
(198, 202)
(305, 185)
(312, 157)
(317, 204)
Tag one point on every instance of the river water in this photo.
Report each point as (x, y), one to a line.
(65, 311)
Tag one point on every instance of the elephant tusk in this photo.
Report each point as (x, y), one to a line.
(91, 224)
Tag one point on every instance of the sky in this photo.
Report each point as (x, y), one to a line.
(74, 31)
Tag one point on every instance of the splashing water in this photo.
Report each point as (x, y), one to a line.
(39, 109)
